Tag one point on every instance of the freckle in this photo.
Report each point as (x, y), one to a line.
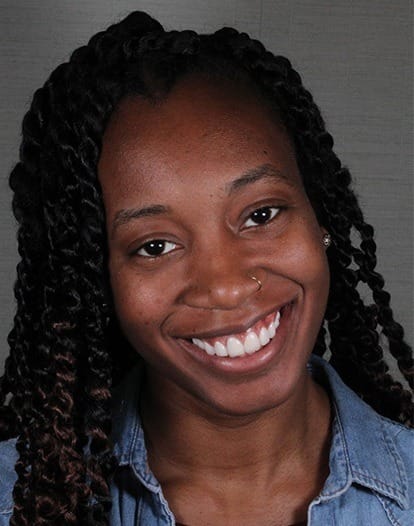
(265, 152)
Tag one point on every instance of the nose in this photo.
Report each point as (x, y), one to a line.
(220, 280)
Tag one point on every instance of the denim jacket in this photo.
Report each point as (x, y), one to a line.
(371, 480)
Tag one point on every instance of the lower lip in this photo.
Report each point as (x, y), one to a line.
(249, 363)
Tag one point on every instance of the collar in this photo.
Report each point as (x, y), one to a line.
(127, 431)
(363, 449)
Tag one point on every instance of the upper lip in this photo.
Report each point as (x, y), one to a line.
(235, 328)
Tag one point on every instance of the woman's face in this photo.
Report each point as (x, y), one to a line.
(202, 192)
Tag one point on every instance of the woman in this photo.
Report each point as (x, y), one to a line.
(185, 233)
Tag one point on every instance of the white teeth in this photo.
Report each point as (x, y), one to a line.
(199, 343)
(209, 349)
(235, 347)
(220, 349)
(251, 343)
(277, 319)
(264, 336)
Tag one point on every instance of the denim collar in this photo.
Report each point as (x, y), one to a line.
(127, 430)
(362, 450)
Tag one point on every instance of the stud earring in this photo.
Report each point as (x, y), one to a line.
(327, 240)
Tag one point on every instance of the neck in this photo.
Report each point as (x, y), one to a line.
(183, 437)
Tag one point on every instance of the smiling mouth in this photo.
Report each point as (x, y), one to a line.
(244, 343)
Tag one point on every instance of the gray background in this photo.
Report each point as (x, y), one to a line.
(355, 56)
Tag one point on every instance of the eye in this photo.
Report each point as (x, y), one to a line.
(262, 216)
(156, 248)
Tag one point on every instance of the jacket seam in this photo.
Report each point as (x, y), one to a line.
(400, 427)
(398, 488)
(363, 478)
(394, 521)
(131, 452)
(341, 434)
(389, 441)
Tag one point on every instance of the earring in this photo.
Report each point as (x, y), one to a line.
(327, 240)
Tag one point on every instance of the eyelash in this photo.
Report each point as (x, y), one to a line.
(275, 211)
(154, 243)
(162, 243)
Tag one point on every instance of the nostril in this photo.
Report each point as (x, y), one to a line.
(219, 289)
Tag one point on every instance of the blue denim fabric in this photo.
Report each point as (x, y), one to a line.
(371, 479)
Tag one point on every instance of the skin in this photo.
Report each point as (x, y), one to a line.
(248, 441)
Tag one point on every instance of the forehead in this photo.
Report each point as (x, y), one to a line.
(198, 129)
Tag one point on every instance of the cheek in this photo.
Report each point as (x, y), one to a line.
(304, 261)
(313, 265)
(138, 305)
(303, 253)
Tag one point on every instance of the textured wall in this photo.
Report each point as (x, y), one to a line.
(354, 55)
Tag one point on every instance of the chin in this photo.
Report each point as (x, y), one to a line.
(248, 398)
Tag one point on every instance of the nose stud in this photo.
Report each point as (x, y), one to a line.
(257, 280)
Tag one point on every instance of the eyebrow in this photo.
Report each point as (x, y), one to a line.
(264, 171)
(127, 214)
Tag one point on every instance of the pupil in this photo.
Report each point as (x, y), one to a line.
(261, 215)
(155, 248)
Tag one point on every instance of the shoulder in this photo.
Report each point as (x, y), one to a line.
(8, 459)
(402, 435)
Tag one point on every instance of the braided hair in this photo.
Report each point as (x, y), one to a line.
(56, 390)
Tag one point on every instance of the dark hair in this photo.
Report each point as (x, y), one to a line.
(56, 390)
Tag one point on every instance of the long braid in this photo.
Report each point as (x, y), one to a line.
(20, 376)
(60, 383)
(51, 451)
(24, 180)
(88, 252)
(72, 403)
